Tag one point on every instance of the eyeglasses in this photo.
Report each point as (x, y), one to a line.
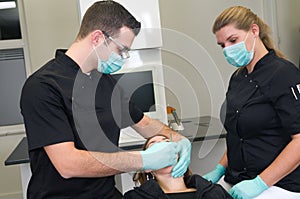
(124, 51)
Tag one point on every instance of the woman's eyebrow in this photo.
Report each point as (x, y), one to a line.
(155, 141)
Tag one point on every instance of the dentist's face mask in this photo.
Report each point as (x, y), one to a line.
(112, 64)
(238, 55)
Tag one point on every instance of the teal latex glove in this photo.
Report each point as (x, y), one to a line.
(159, 155)
(215, 175)
(248, 189)
(184, 147)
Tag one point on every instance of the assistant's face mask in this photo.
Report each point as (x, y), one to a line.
(238, 55)
(111, 65)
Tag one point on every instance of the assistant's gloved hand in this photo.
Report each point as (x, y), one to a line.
(248, 189)
(184, 149)
(159, 155)
(215, 175)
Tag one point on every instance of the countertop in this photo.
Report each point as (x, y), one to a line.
(195, 129)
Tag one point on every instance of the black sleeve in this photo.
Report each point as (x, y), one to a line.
(285, 96)
(44, 116)
(135, 113)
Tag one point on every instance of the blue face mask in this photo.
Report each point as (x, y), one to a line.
(111, 65)
(238, 55)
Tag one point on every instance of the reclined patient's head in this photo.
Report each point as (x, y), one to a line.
(141, 177)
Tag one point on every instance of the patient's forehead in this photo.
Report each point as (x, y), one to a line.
(158, 138)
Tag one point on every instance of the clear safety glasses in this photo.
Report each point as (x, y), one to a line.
(124, 51)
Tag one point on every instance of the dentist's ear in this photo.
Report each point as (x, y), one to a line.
(97, 37)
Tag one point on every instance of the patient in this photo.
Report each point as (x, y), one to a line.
(161, 184)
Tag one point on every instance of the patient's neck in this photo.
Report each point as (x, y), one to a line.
(172, 185)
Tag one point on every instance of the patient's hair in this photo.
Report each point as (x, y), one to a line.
(140, 177)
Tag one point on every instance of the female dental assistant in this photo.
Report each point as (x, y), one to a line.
(261, 112)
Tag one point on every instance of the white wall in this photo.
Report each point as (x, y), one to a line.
(288, 22)
(51, 24)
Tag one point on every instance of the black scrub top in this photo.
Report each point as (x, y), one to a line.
(59, 103)
(262, 112)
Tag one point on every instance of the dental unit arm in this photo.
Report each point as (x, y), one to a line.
(177, 125)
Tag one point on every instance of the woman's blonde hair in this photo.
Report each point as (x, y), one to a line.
(141, 177)
(243, 18)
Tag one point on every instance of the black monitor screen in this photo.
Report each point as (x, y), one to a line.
(9, 20)
(12, 78)
(139, 86)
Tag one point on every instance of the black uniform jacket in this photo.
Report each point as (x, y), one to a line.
(262, 113)
(61, 104)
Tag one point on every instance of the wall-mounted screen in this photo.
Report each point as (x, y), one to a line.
(139, 87)
(9, 20)
(12, 78)
(145, 88)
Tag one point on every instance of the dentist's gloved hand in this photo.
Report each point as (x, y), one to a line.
(159, 155)
(215, 175)
(248, 189)
(184, 149)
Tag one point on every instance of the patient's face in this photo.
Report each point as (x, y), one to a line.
(157, 139)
